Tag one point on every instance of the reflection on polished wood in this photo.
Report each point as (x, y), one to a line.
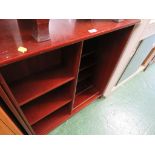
(55, 79)
(61, 32)
(40, 29)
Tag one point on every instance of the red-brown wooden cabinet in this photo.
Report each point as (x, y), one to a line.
(55, 79)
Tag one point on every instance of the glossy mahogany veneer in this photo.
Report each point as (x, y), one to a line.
(55, 79)
(62, 33)
(43, 106)
(24, 93)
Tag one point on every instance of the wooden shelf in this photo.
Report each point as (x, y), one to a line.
(34, 86)
(84, 88)
(83, 77)
(84, 84)
(85, 74)
(44, 105)
(50, 122)
(85, 96)
(86, 66)
(88, 53)
(88, 61)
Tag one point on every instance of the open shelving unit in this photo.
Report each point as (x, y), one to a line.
(41, 86)
(51, 121)
(57, 78)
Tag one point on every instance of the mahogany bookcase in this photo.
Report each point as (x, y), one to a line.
(55, 79)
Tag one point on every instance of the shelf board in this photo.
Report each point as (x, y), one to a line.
(83, 85)
(86, 66)
(45, 105)
(86, 95)
(84, 77)
(34, 86)
(87, 53)
(84, 89)
(50, 122)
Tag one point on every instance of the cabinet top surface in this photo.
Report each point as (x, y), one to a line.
(62, 32)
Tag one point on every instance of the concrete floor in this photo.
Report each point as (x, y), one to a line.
(128, 110)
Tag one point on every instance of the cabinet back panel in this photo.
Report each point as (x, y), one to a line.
(19, 70)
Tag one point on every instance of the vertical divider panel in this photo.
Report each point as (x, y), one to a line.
(77, 51)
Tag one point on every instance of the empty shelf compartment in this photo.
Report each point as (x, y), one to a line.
(85, 96)
(46, 104)
(33, 77)
(50, 122)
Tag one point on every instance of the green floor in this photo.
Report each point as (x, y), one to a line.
(128, 110)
